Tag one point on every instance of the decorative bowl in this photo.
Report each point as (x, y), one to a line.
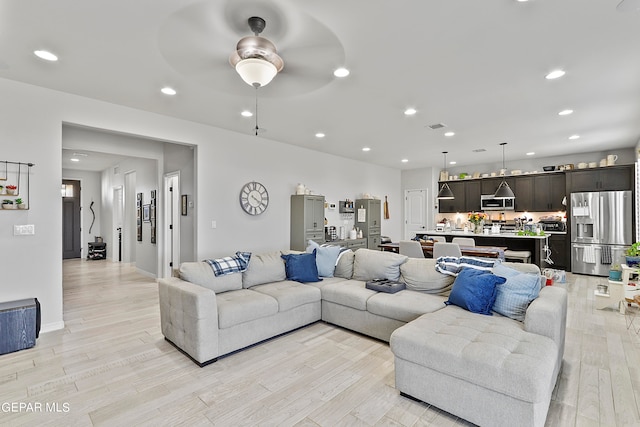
(548, 168)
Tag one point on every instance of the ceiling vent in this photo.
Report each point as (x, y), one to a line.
(479, 150)
(437, 126)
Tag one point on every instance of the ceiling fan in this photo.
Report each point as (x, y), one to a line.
(629, 6)
(197, 39)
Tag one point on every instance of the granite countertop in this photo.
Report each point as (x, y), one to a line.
(505, 234)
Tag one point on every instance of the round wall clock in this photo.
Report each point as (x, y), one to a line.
(254, 198)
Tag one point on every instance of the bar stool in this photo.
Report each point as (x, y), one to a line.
(521, 256)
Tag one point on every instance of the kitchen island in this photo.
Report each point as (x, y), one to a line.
(510, 240)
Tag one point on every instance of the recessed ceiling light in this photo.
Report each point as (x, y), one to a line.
(555, 74)
(574, 137)
(404, 160)
(341, 72)
(320, 135)
(565, 112)
(366, 149)
(168, 91)
(247, 113)
(73, 159)
(46, 55)
(410, 111)
(449, 133)
(530, 153)
(452, 163)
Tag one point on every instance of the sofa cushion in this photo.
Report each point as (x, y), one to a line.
(264, 268)
(350, 293)
(326, 257)
(404, 306)
(369, 265)
(230, 264)
(289, 294)
(515, 295)
(475, 290)
(491, 351)
(453, 265)
(242, 306)
(344, 264)
(301, 267)
(201, 274)
(420, 275)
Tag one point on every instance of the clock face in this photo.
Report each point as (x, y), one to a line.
(254, 198)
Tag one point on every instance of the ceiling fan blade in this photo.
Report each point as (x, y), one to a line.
(628, 6)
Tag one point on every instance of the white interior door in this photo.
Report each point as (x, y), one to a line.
(415, 208)
(172, 210)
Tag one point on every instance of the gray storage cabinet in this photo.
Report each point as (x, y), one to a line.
(19, 324)
(307, 221)
(371, 226)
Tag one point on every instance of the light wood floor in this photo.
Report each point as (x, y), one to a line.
(111, 366)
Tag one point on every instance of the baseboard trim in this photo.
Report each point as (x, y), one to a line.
(50, 327)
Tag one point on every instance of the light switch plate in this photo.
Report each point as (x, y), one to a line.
(24, 230)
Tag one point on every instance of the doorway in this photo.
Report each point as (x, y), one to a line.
(71, 226)
(172, 211)
(118, 226)
(415, 208)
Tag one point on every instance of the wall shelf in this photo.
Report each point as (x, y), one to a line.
(18, 174)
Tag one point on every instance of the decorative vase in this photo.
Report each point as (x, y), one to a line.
(478, 226)
(632, 261)
(22, 206)
(615, 275)
(12, 192)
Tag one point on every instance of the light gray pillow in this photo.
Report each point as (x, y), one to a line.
(264, 268)
(369, 264)
(420, 275)
(201, 274)
(344, 265)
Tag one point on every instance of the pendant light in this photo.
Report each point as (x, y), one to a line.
(445, 192)
(504, 191)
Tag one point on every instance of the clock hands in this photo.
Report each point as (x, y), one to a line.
(255, 198)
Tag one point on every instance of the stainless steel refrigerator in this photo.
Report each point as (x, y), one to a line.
(601, 230)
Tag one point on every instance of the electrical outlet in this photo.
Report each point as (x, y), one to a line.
(24, 230)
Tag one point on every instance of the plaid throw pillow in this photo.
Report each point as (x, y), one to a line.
(453, 265)
(230, 264)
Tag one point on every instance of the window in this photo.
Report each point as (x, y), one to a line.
(67, 190)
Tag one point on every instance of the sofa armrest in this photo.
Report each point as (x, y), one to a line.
(547, 316)
(189, 318)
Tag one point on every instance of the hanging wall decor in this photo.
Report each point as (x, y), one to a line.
(152, 216)
(139, 216)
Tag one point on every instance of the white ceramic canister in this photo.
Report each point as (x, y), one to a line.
(300, 189)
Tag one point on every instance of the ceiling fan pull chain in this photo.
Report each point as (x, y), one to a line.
(256, 86)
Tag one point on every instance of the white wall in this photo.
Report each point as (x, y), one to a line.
(90, 192)
(32, 121)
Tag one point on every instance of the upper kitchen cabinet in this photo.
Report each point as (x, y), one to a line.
(548, 192)
(610, 178)
(467, 197)
(490, 185)
(523, 190)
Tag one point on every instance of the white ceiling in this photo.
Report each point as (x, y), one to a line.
(477, 66)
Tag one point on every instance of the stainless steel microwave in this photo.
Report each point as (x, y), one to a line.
(489, 203)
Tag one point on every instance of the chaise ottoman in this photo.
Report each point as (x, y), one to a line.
(485, 369)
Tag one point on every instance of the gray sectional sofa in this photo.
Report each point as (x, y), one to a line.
(490, 370)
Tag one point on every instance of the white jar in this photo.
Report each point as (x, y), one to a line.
(300, 189)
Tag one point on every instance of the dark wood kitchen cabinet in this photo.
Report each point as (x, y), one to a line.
(467, 197)
(559, 254)
(548, 192)
(611, 178)
(523, 189)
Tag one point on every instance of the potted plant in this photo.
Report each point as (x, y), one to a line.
(633, 255)
(20, 203)
(12, 190)
(615, 273)
(8, 204)
(1, 189)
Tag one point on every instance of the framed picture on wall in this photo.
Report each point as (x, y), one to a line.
(184, 204)
(146, 215)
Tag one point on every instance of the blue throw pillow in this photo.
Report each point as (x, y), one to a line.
(326, 258)
(475, 290)
(515, 295)
(301, 267)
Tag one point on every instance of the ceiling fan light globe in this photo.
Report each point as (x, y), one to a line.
(256, 71)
